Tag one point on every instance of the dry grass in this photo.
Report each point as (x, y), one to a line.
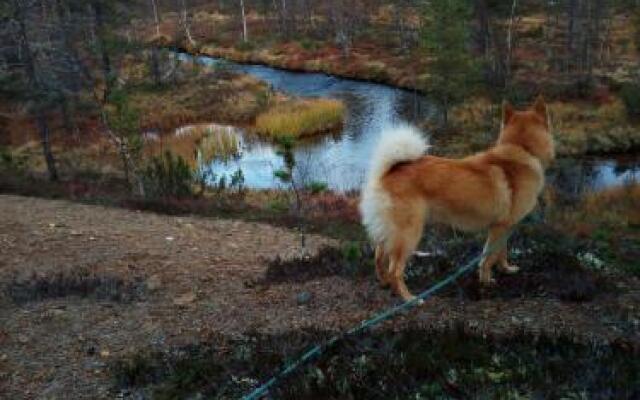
(620, 200)
(582, 128)
(578, 127)
(301, 118)
(204, 141)
(220, 143)
(199, 99)
(614, 208)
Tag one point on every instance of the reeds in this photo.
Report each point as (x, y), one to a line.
(301, 118)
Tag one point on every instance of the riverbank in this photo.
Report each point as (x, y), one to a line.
(580, 128)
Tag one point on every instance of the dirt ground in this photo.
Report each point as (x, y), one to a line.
(179, 280)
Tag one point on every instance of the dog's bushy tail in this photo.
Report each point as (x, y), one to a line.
(397, 144)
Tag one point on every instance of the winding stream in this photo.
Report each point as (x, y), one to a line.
(341, 160)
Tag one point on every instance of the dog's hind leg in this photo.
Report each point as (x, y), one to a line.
(488, 261)
(404, 245)
(382, 266)
(504, 262)
(398, 263)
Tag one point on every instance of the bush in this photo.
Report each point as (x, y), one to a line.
(309, 44)
(316, 187)
(11, 162)
(245, 46)
(630, 95)
(168, 176)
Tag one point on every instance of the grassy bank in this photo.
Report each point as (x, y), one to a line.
(579, 128)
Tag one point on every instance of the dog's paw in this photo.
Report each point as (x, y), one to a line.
(510, 269)
(488, 282)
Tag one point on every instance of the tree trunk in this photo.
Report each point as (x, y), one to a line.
(245, 36)
(509, 55)
(155, 66)
(185, 23)
(36, 87)
(445, 113)
(107, 70)
(43, 126)
(154, 7)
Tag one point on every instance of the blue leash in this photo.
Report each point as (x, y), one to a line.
(318, 349)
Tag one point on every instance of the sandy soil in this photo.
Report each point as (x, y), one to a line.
(192, 280)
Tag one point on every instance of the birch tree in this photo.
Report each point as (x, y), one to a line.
(245, 36)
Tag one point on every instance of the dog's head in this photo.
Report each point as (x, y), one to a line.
(529, 129)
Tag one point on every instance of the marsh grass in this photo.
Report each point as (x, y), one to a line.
(301, 118)
(219, 143)
(584, 128)
(609, 221)
(578, 127)
(199, 143)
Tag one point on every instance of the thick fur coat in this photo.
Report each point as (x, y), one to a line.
(491, 190)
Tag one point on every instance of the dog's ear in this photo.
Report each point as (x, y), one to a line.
(540, 106)
(507, 112)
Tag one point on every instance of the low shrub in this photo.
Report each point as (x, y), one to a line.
(11, 161)
(245, 46)
(316, 187)
(414, 363)
(168, 175)
(630, 95)
(309, 44)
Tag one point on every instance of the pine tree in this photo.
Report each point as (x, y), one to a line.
(451, 67)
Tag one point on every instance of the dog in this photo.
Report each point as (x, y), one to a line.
(492, 190)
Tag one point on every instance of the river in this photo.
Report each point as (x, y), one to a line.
(341, 160)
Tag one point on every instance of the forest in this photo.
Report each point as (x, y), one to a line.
(180, 183)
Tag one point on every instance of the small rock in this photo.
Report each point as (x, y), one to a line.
(153, 283)
(170, 238)
(185, 299)
(23, 339)
(76, 233)
(303, 298)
